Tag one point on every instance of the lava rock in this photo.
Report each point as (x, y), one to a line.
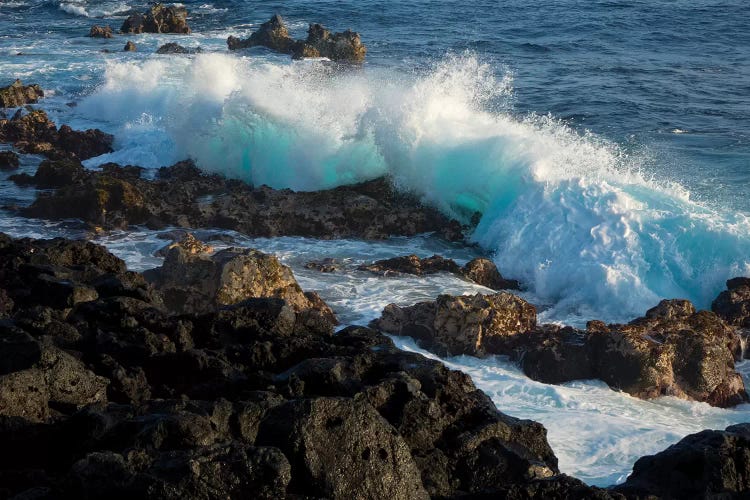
(272, 34)
(8, 160)
(733, 304)
(453, 325)
(174, 48)
(158, 19)
(17, 94)
(100, 32)
(346, 46)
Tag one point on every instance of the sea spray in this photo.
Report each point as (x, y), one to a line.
(570, 214)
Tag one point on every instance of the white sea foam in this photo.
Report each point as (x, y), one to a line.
(569, 214)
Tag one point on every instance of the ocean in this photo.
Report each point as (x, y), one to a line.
(605, 144)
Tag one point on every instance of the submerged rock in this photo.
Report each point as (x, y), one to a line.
(100, 32)
(17, 94)
(174, 48)
(273, 34)
(479, 270)
(158, 19)
(129, 47)
(237, 400)
(8, 160)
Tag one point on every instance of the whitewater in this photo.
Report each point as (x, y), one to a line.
(596, 224)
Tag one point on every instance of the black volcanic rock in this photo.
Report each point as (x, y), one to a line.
(112, 396)
(182, 195)
(709, 464)
(8, 160)
(174, 48)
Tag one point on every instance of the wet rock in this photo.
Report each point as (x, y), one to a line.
(35, 133)
(709, 464)
(17, 94)
(53, 174)
(480, 270)
(174, 48)
(733, 304)
(100, 32)
(129, 47)
(272, 34)
(316, 435)
(187, 242)
(484, 272)
(183, 196)
(453, 325)
(197, 283)
(327, 265)
(8, 160)
(158, 19)
(345, 46)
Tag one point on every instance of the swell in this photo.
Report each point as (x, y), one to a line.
(570, 214)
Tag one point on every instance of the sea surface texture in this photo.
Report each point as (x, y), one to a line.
(606, 145)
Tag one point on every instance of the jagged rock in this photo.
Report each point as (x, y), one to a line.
(8, 160)
(34, 132)
(484, 272)
(187, 242)
(272, 34)
(53, 174)
(158, 19)
(453, 325)
(317, 437)
(709, 464)
(183, 196)
(129, 47)
(733, 304)
(174, 48)
(327, 265)
(197, 283)
(17, 94)
(345, 46)
(480, 270)
(100, 32)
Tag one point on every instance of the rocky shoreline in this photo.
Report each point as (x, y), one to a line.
(217, 375)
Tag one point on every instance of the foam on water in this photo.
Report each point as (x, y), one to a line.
(569, 214)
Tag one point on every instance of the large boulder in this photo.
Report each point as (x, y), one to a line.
(158, 19)
(17, 94)
(346, 46)
(709, 464)
(272, 34)
(97, 31)
(733, 304)
(453, 325)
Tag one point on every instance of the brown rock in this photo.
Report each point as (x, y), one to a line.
(345, 46)
(158, 19)
(17, 94)
(129, 47)
(8, 160)
(733, 304)
(455, 325)
(272, 34)
(100, 32)
(484, 272)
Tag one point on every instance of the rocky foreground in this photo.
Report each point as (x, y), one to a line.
(240, 389)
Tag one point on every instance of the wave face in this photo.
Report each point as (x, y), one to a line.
(569, 214)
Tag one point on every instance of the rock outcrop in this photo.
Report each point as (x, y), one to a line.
(733, 304)
(158, 19)
(709, 464)
(479, 270)
(673, 350)
(97, 31)
(8, 160)
(17, 94)
(183, 196)
(35, 133)
(174, 48)
(453, 325)
(106, 394)
(273, 34)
